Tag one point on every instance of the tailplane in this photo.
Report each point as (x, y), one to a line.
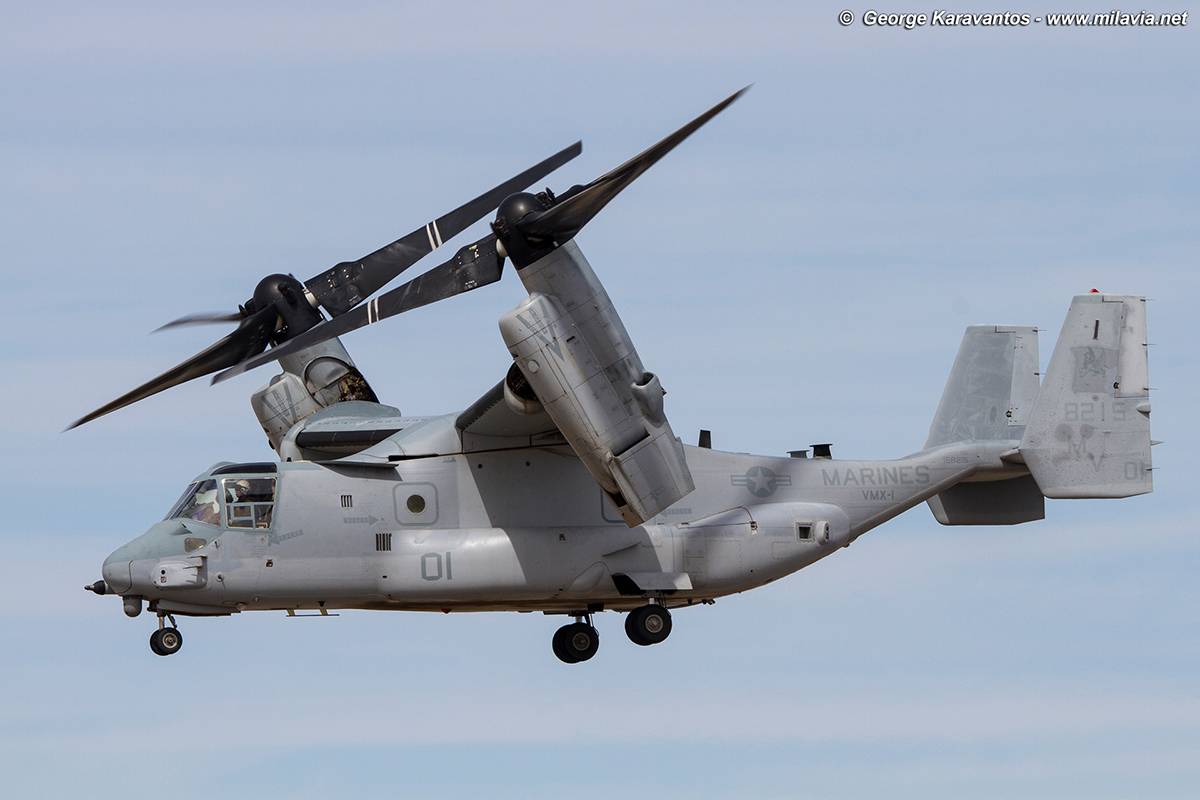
(1085, 433)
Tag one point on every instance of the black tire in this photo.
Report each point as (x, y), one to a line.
(576, 642)
(560, 646)
(631, 628)
(166, 641)
(647, 625)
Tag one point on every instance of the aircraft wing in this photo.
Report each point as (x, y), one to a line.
(370, 434)
(343, 428)
(492, 421)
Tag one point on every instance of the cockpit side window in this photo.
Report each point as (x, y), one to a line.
(249, 502)
(200, 502)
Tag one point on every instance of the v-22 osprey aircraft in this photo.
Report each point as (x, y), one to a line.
(563, 489)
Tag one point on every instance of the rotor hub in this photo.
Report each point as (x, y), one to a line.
(522, 249)
(286, 295)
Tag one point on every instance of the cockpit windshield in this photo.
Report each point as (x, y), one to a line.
(200, 503)
(249, 502)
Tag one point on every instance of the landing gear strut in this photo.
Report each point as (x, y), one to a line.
(648, 624)
(576, 642)
(166, 641)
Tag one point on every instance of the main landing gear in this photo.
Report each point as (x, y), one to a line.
(648, 625)
(166, 641)
(576, 642)
(579, 641)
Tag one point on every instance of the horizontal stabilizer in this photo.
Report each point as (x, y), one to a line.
(1009, 502)
(1089, 434)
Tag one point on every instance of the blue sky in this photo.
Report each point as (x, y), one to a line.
(801, 270)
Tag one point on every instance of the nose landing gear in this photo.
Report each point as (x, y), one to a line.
(166, 641)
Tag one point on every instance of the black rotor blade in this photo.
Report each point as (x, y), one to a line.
(576, 207)
(250, 338)
(344, 286)
(200, 319)
(472, 266)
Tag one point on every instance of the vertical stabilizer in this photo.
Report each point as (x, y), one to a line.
(989, 398)
(992, 386)
(1089, 434)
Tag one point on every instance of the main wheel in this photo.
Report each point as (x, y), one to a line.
(560, 646)
(631, 628)
(166, 641)
(648, 625)
(576, 642)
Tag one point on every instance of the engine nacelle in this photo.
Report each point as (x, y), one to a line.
(519, 395)
(570, 345)
(313, 378)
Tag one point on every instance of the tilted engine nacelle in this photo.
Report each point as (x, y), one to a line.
(313, 378)
(573, 351)
(519, 395)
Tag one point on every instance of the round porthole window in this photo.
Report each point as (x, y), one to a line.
(416, 504)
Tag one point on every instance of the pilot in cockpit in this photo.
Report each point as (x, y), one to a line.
(205, 508)
(236, 491)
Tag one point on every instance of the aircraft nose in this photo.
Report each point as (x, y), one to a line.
(116, 573)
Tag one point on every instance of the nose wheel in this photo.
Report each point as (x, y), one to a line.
(166, 641)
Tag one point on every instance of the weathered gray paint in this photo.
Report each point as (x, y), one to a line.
(493, 510)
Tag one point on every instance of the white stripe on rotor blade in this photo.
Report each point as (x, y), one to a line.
(435, 236)
(373, 311)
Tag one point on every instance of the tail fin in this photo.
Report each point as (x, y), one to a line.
(991, 389)
(1089, 433)
(989, 397)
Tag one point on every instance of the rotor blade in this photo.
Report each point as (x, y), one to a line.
(200, 319)
(251, 337)
(344, 286)
(577, 206)
(473, 266)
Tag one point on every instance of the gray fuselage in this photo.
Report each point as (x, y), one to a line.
(517, 529)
